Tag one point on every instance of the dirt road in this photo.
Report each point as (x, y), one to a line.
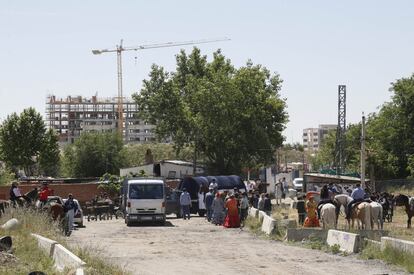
(197, 247)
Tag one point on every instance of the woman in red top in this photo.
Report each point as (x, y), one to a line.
(44, 193)
(232, 218)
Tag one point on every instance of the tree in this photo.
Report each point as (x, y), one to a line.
(92, 155)
(134, 154)
(21, 139)
(49, 158)
(234, 117)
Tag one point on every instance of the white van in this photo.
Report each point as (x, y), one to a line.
(143, 200)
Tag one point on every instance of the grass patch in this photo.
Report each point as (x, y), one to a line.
(32, 258)
(96, 264)
(390, 256)
(253, 224)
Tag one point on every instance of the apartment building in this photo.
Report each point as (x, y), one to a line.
(74, 115)
(313, 137)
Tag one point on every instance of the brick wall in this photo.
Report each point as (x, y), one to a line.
(81, 191)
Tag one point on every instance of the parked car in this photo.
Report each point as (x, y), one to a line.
(78, 220)
(298, 184)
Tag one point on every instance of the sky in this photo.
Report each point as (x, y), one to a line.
(45, 48)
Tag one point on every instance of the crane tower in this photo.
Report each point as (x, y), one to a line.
(120, 48)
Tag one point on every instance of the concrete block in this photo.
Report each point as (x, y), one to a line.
(300, 234)
(376, 244)
(268, 225)
(401, 245)
(79, 271)
(253, 212)
(45, 244)
(373, 234)
(10, 224)
(348, 242)
(288, 223)
(65, 259)
(261, 215)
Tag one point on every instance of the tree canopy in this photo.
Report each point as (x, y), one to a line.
(24, 141)
(92, 155)
(389, 137)
(233, 116)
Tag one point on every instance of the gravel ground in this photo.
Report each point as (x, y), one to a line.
(197, 247)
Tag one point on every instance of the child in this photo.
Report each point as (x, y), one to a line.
(300, 206)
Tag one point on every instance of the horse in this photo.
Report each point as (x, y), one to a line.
(343, 200)
(328, 216)
(403, 200)
(377, 215)
(361, 213)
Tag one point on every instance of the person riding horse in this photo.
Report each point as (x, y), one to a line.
(15, 194)
(358, 195)
(327, 197)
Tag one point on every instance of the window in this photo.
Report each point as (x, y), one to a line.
(146, 191)
(315, 133)
(305, 140)
(305, 134)
(315, 140)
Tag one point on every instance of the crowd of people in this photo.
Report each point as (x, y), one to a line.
(228, 209)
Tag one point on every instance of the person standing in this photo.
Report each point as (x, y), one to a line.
(185, 202)
(201, 201)
(218, 209)
(71, 208)
(232, 217)
(213, 185)
(300, 206)
(278, 192)
(260, 204)
(208, 202)
(244, 207)
(285, 188)
(267, 205)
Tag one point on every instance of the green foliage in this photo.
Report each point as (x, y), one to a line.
(49, 158)
(110, 184)
(134, 154)
(6, 176)
(22, 139)
(335, 249)
(389, 142)
(92, 155)
(389, 255)
(234, 117)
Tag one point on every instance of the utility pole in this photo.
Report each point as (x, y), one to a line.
(363, 155)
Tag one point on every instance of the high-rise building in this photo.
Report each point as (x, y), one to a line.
(313, 137)
(74, 115)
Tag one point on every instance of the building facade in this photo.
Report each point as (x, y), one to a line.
(72, 116)
(313, 137)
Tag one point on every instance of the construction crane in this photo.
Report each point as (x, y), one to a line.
(340, 132)
(120, 48)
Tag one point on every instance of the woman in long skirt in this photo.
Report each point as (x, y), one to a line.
(218, 210)
(232, 218)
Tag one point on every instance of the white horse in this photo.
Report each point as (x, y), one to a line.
(328, 215)
(376, 215)
(362, 213)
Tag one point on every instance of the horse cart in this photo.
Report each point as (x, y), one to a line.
(102, 210)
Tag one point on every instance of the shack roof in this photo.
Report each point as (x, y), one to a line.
(319, 178)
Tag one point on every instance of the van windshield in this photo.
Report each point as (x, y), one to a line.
(146, 191)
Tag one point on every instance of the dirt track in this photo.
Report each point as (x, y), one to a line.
(197, 247)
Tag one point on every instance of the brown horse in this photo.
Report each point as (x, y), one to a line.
(361, 213)
(403, 200)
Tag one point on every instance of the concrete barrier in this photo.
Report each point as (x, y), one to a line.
(261, 215)
(268, 225)
(253, 212)
(401, 245)
(65, 259)
(348, 242)
(10, 224)
(373, 234)
(300, 234)
(288, 223)
(45, 244)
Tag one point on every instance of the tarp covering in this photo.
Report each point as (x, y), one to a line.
(193, 184)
